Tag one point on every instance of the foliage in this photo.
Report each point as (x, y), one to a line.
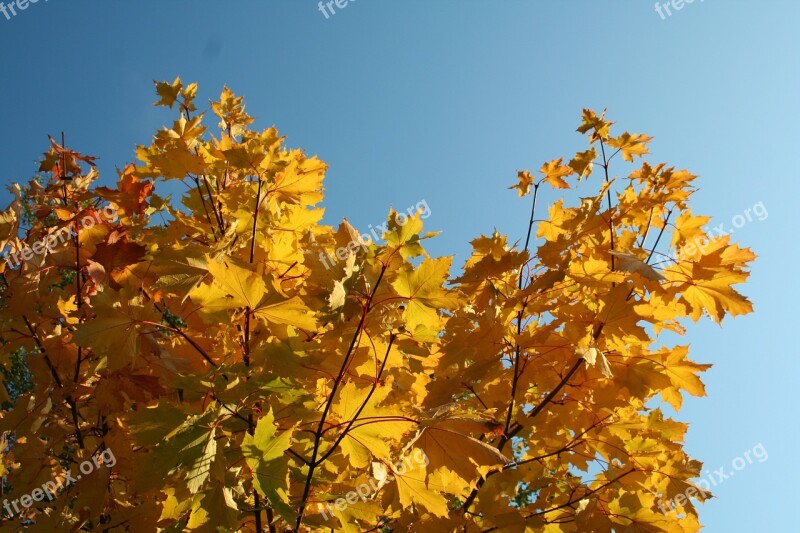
(241, 383)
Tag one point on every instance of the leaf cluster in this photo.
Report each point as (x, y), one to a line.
(244, 384)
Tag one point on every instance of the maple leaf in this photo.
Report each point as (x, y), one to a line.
(116, 332)
(554, 173)
(583, 162)
(381, 428)
(630, 145)
(213, 510)
(414, 490)
(132, 194)
(10, 218)
(688, 228)
(422, 288)
(525, 182)
(230, 109)
(461, 457)
(235, 286)
(599, 127)
(263, 451)
(404, 236)
(168, 92)
(683, 374)
(716, 297)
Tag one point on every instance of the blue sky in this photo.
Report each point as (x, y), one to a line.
(444, 100)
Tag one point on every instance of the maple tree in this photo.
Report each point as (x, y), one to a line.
(244, 386)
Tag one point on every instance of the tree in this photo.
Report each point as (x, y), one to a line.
(219, 370)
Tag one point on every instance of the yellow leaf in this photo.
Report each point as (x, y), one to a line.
(413, 490)
(235, 286)
(425, 294)
(583, 162)
(460, 454)
(630, 145)
(683, 374)
(554, 173)
(599, 127)
(168, 92)
(525, 182)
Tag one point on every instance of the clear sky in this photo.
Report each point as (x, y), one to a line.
(443, 100)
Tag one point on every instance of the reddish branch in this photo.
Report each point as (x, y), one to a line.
(314, 463)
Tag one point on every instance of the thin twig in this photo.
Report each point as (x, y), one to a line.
(329, 402)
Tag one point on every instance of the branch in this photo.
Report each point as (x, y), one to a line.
(608, 193)
(517, 354)
(530, 226)
(70, 401)
(329, 402)
(176, 328)
(553, 393)
(539, 408)
(255, 220)
(343, 434)
(205, 208)
(653, 251)
(588, 494)
(571, 502)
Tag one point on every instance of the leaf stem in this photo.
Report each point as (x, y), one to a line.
(608, 195)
